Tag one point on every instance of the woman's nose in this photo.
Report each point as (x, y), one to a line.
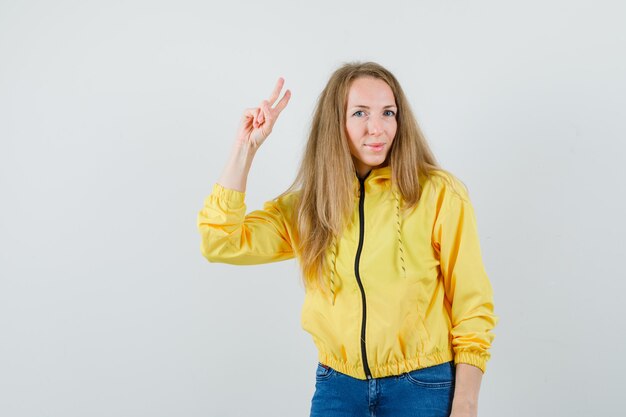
(374, 126)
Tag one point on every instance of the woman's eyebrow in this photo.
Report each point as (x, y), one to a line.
(367, 107)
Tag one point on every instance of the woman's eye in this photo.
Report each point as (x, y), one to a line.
(390, 113)
(358, 113)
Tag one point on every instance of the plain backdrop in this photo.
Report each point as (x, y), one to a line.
(116, 118)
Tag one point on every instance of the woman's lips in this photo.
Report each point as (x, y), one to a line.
(375, 146)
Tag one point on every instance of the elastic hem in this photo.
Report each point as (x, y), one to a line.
(390, 368)
(233, 197)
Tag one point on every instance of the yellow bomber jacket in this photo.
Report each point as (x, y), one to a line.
(407, 291)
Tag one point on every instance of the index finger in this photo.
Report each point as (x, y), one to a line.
(283, 102)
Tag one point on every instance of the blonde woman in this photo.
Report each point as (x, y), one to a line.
(397, 299)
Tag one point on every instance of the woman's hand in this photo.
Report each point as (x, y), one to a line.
(257, 123)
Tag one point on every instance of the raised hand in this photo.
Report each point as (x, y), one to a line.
(257, 122)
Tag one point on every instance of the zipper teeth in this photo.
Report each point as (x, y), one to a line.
(366, 367)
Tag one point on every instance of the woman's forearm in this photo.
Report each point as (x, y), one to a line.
(235, 173)
(467, 386)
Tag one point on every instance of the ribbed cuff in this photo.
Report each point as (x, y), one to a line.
(478, 360)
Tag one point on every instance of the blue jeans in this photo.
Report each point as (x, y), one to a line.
(426, 392)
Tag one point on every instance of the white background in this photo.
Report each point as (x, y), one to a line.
(116, 118)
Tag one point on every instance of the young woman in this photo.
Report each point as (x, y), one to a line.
(397, 299)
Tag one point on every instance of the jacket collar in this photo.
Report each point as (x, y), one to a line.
(376, 178)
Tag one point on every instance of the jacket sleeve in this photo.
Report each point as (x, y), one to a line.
(229, 235)
(466, 284)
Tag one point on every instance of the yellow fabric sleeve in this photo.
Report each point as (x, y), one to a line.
(466, 283)
(229, 235)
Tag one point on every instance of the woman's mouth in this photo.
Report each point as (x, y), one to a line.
(376, 146)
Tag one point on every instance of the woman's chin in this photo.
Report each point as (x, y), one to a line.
(374, 162)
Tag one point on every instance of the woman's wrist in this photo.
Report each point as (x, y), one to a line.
(235, 173)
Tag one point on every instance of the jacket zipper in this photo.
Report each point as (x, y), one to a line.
(366, 367)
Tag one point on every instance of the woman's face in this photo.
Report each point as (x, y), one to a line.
(370, 122)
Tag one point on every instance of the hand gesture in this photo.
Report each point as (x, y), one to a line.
(257, 123)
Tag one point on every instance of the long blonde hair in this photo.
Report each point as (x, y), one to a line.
(326, 175)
